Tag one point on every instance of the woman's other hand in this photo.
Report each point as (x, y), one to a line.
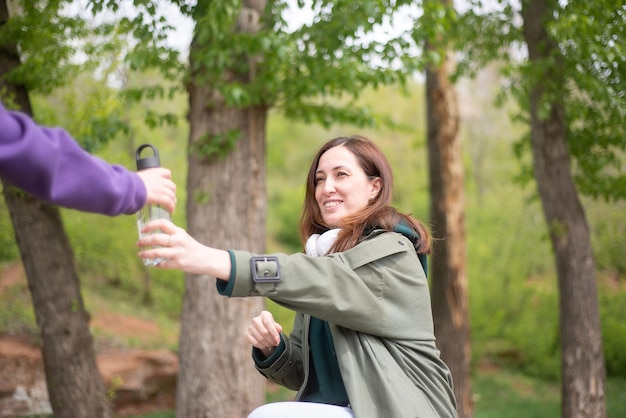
(264, 333)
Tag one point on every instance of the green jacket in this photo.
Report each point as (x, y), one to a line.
(375, 297)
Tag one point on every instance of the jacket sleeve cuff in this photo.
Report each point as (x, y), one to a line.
(279, 364)
(241, 282)
(264, 363)
(226, 288)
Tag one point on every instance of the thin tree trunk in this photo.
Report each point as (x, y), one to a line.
(75, 387)
(582, 362)
(226, 208)
(447, 211)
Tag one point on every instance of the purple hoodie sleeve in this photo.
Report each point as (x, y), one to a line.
(50, 165)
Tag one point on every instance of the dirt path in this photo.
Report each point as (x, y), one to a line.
(144, 379)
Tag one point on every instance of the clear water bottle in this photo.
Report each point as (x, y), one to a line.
(149, 212)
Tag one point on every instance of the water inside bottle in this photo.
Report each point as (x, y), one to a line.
(145, 215)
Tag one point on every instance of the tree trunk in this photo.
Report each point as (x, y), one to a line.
(75, 387)
(582, 356)
(74, 383)
(226, 208)
(447, 212)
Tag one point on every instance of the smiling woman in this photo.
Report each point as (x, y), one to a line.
(362, 343)
(342, 188)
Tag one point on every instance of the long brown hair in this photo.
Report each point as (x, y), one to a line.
(379, 214)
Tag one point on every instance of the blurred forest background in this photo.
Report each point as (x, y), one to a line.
(513, 295)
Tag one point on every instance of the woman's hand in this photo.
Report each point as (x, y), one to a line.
(163, 239)
(264, 333)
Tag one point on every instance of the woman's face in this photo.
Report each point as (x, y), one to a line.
(341, 186)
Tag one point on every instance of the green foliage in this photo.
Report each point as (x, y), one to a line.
(115, 236)
(17, 315)
(508, 393)
(301, 70)
(8, 248)
(433, 30)
(286, 207)
(591, 43)
(94, 115)
(513, 304)
(209, 146)
(608, 232)
(146, 29)
(487, 33)
(587, 74)
(47, 43)
(612, 313)
(126, 44)
(505, 393)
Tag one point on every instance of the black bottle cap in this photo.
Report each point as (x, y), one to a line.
(147, 162)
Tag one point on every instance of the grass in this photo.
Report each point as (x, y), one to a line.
(511, 394)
